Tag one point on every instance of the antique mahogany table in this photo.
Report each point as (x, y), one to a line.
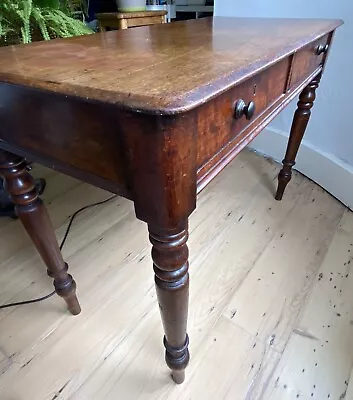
(152, 114)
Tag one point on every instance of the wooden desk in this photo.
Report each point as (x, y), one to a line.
(155, 126)
(127, 20)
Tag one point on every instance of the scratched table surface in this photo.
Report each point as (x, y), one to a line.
(166, 68)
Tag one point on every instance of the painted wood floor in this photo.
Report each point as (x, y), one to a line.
(271, 313)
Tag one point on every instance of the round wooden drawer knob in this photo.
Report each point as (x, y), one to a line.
(321, 49)
(242, 109)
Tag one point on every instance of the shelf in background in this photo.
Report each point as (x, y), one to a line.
(194, 8)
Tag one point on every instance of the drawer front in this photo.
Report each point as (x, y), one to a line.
(307, 60)
(220, 126)
(73, 144)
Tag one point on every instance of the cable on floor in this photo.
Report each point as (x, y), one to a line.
(74, 215)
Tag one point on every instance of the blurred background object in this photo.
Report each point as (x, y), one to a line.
(167, 5)
(191, 9)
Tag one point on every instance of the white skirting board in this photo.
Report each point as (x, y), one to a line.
(328, 171)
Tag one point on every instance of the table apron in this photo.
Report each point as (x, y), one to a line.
(71, 135)
(230, 149)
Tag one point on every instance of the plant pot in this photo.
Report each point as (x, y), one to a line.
(131, 5)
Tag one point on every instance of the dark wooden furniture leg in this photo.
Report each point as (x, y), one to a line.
(300, 122)
(33, 215)
(7, 208)
(170, 262)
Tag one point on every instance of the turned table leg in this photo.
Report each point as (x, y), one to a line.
(33, 215)
(170, 262)
(300, 122)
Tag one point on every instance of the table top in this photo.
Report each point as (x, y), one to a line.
(127, 15)
(160, 69)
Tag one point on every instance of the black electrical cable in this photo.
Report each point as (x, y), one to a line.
(74, 215)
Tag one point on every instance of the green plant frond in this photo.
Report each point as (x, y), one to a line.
(25, 39)
(47, 3)
(37, 15)
(27, 11)
(65, 26)
(45, 19)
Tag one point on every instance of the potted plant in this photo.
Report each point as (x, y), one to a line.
(24, 21)
(131, 5)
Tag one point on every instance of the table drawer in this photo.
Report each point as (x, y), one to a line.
(307, 60)
(217, 123)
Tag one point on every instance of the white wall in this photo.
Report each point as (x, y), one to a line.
(329, 137)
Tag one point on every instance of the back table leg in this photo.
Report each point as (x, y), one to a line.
(33, 215)
(300, 122)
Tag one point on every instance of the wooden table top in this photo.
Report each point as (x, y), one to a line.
(167, 68)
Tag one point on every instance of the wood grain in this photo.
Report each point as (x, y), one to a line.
(207, 61)
(200, 141)
(157, 145)
(121, 20)
(275, 306)
(317, 349)
(221, 127)
(306, 60)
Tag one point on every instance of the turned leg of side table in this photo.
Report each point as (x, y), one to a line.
(300, 122)
(33, 215)
(170, 262)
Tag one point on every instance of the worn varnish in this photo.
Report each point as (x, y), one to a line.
(113, 112)
(263, 89)
(306, 60)
(210, 55)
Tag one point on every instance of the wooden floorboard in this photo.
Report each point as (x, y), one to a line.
(270, 308)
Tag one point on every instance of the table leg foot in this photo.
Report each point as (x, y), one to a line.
(170, 261)
(284, 177)
(34, 217)
(65, 287)
(300, 122)
(178, 376)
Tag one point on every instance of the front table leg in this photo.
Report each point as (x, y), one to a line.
(33, 215)
(170, 263)
(300, 122)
